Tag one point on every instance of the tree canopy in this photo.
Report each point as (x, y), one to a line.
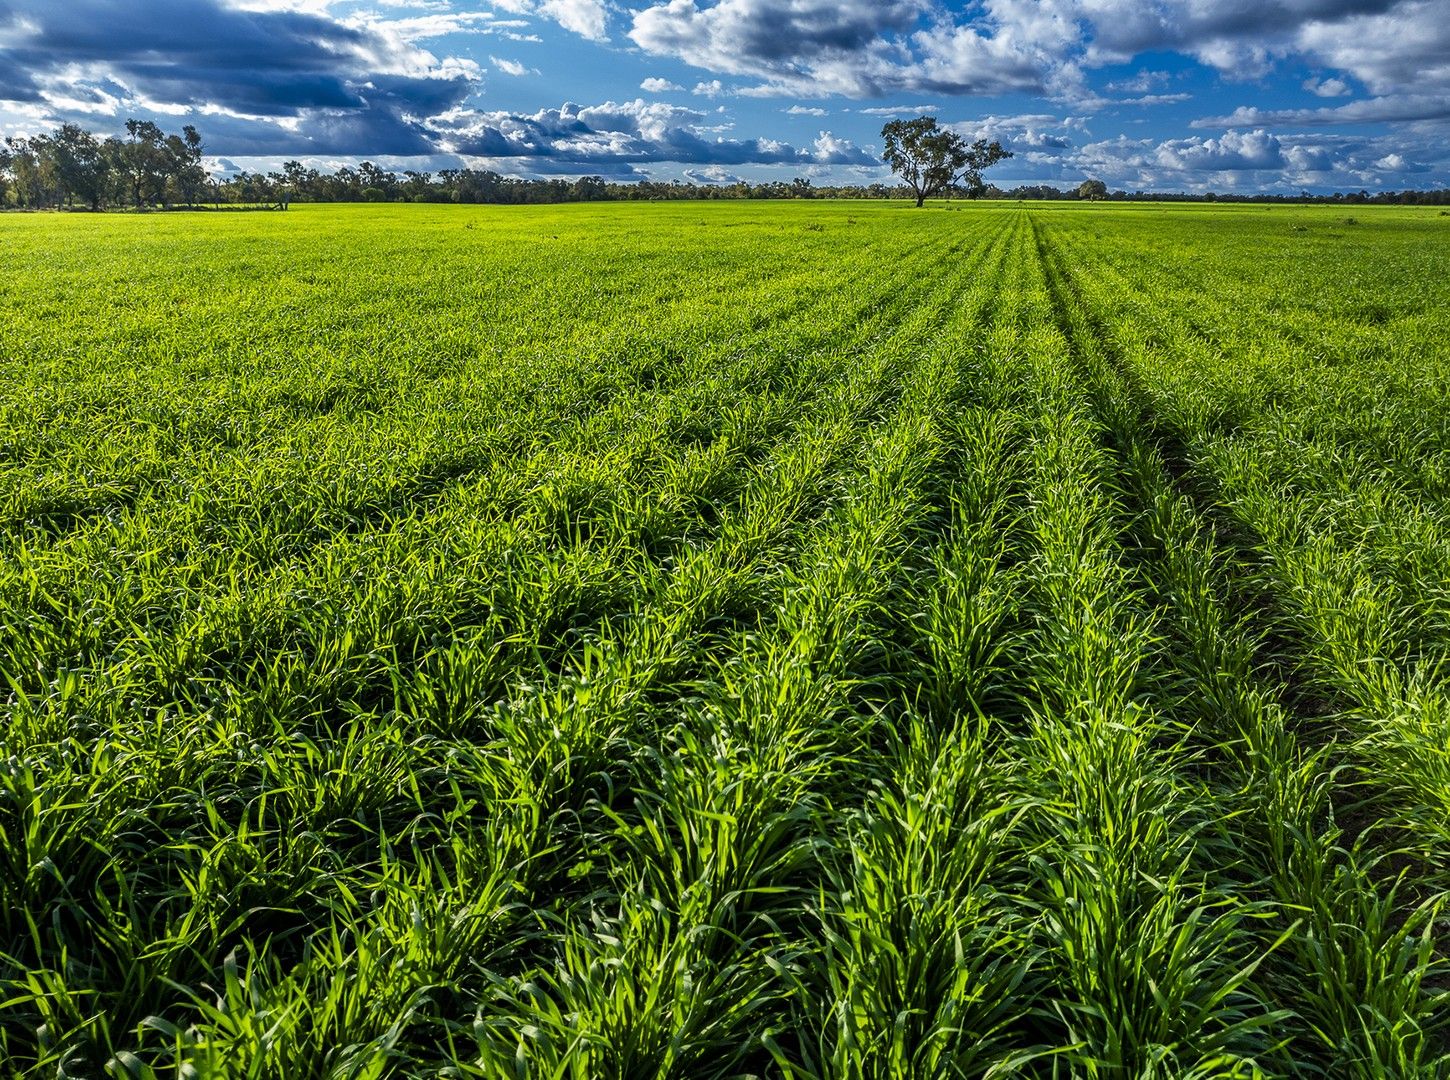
(71, 165)
(932, 159)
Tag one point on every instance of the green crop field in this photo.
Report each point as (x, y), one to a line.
(676, 640)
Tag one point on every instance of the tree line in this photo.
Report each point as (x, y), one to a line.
(148, 168)
(368, 182)
(73, 167)
(1097, 190)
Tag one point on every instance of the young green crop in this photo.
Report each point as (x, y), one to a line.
(801, 640)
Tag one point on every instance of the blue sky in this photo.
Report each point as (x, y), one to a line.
(1164, 95)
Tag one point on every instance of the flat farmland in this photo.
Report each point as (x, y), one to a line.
(808, 639)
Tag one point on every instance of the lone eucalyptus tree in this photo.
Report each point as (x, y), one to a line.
(932, 159)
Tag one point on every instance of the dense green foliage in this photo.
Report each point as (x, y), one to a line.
(74, 167)
(800, 640)
(932, 160)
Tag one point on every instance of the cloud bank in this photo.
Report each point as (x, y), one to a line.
(626, 133)
(1361, 88)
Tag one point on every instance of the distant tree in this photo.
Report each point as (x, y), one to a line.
(275, 190)
(377, 178)
(118, 184)
(417, 185)
(25, 176)
(145, 162)
(347, 184)
(1092, 189)
(303, 182)
(589, 188)
(72, 164)
(183, 164)
(932, 159)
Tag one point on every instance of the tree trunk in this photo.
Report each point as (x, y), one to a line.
(920, 198)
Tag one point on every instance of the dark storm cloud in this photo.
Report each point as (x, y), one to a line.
(346, 134)
(630, 132)
(348, 88)
(848, 46)
(196, 51)
(766, 34)
(1189, 25)
(16, 84)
